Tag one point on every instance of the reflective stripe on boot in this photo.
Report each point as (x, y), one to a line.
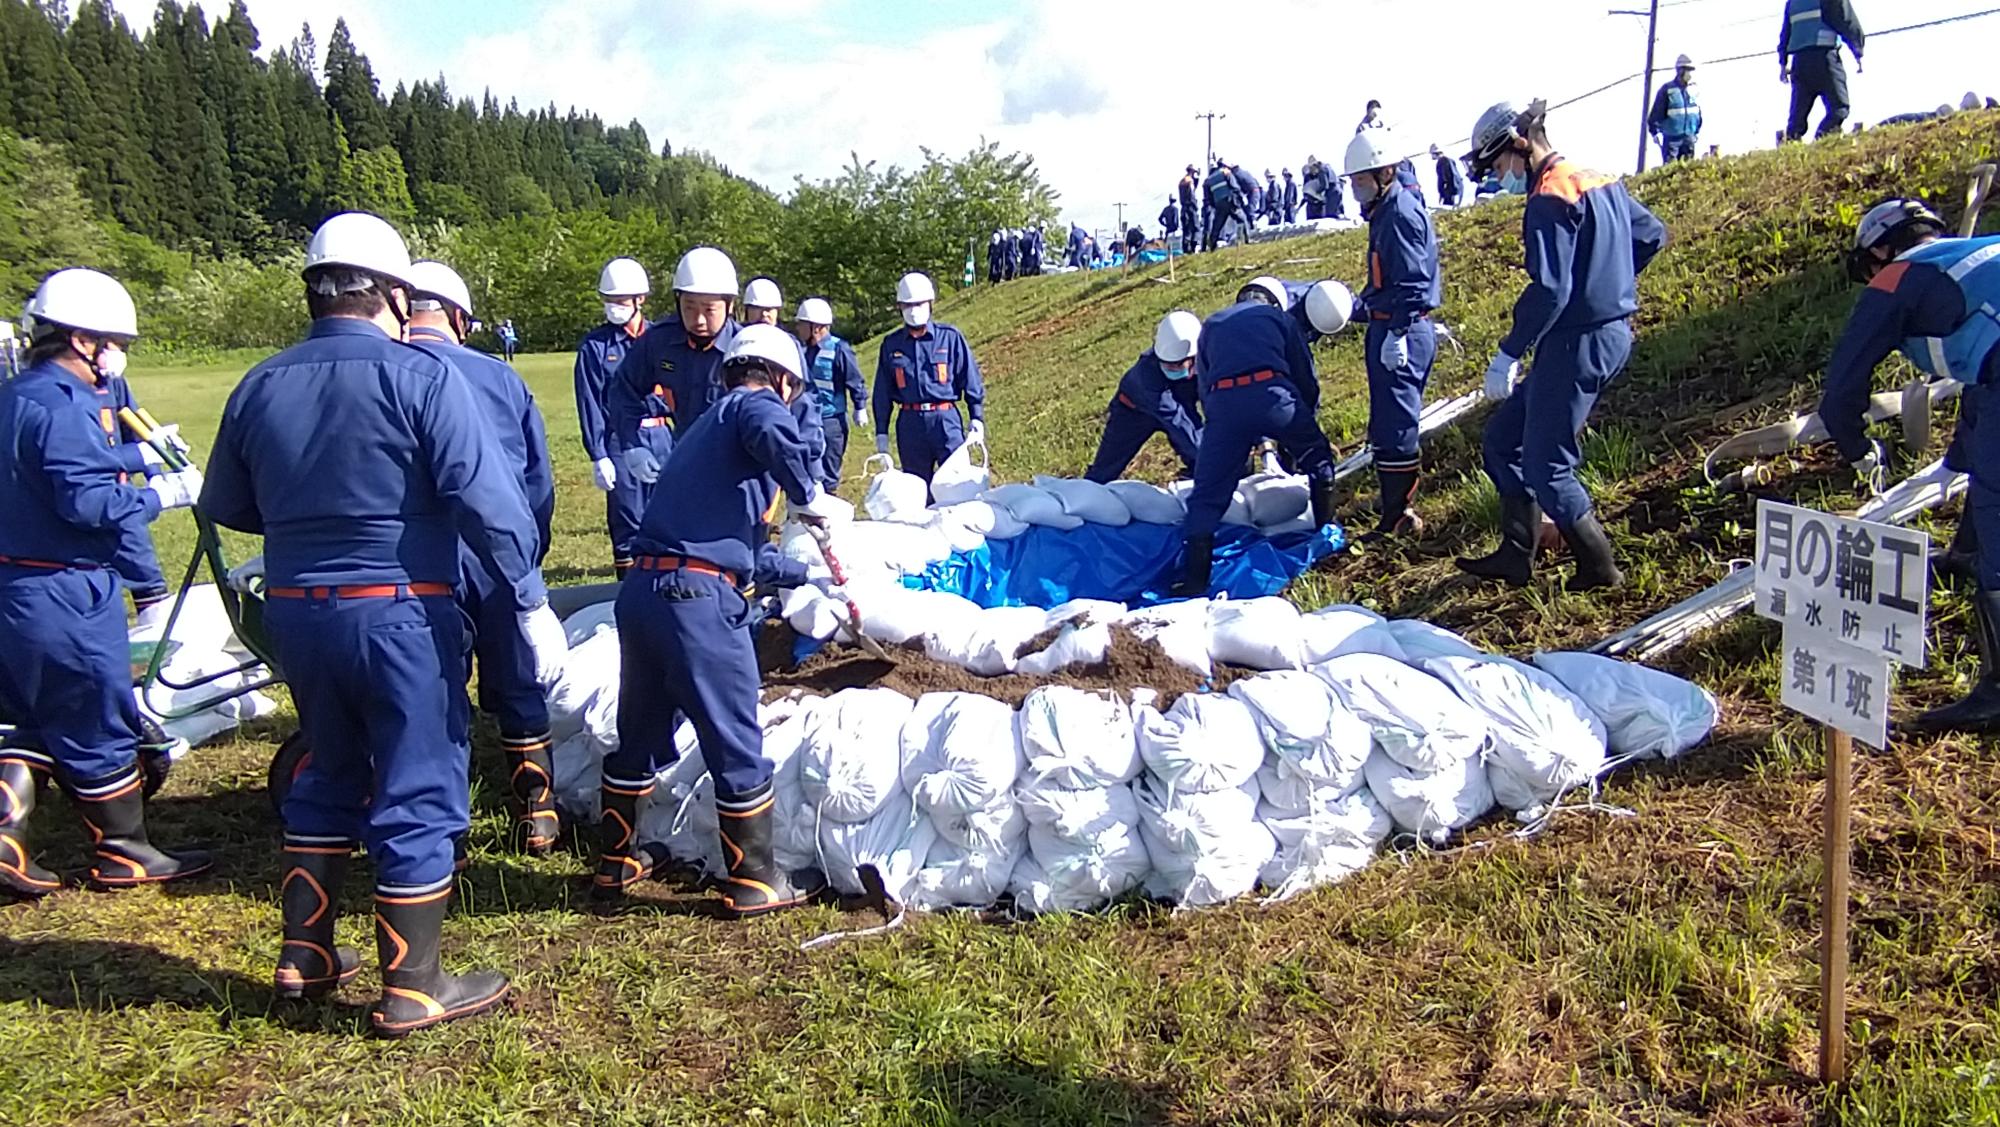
(113, 812)
(755, 885)
(416, 993)
(309, 965)
(619, 864)
(19, 782)
(531, 781)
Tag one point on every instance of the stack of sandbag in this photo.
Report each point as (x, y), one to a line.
(1084, 844)
(1181, 630)
(1337, 630)
(1546, 741)
(1082, 637)
(1315, 799)
(203, 645)
(1198, 799)
(960, 760)
(1647, 714)
(583, 710)
(1428, 767)
(851, 778)
(1148, 503)
(1261, 633)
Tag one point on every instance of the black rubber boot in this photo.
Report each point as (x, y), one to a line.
(1325, 500)
(1399, 488)
(1596, 568)
(114, 813)
(157, 750)
(1958, 563)
(755, 885)
(1979, 712)
(309, 965)
(1199, 567)
(416, 993)
(531, 779)
(620, 864)
(1514, 561)
(20, 777)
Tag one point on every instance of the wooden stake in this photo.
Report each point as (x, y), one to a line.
(1833, 911)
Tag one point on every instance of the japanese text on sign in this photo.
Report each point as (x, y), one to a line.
(1853, 582)
(1842, 687)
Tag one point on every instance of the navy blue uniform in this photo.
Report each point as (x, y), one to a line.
(835, 373)
(1147, 403)
(1675, 121)
(1809, 43)
(1404, 285)
(507, 686)
(65, 672)
(993, 257)
(925, 372)
(1190, 215)
(1291, 199)
(1450, 184)
(1587, 240)
(1257, 382)
(597, 358)
(1936, 303)
(364, 463)
(1170, 218)
(1224, 200)
(683, 620)
(137, 563)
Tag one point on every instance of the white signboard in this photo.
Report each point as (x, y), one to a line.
(1854, 583)
(1839, 686)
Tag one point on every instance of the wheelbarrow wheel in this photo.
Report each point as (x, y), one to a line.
(291, 759)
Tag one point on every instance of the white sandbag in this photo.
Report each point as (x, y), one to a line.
(982, 519)
(681, 813)
(1545, 740)
(897, 840)
(1431, 804)
(1295, 870)
(1336, 631)
(1420, 640)
(849, 761)
(892, 546)
(1179, 629)
(1351, 821)
(1257, 633)
(959, 753)
(1074, 738)
(1076, 813)
(958, 479)
(893, 492)
(1416, 719)
(1646, 713)
(1148, 503)
(958, 878)
(1090, 500)
(988, 641)
(1065, 875)
(577, 763)
(586, 696)
(1032, 505)
(1274, 499)
(813, 613)
(1085, 637)
(1204, 743)
(1205, 848)
(1311, 739)
(995, 829)
(579, 627)
(893, 614)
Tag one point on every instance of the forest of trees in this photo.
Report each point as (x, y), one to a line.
(194, 162)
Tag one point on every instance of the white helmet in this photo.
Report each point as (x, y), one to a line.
(1494, 128)
(1268, 285)
(440, 281)
(86, 300)
(815, 311)
(913, 288)
(768, 343)
(624, 277)
(762, 293)
(1371, 149)
(1328, 306)
(1684, 63)
(359, 241)
(1178, 336)
(705, 271)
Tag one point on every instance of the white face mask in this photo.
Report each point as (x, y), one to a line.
(620, 315)
(917, 316)
(111, 364)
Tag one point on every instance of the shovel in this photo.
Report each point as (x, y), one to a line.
(868, 645)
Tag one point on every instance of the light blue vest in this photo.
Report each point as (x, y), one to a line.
(1974, 264)
(1809, 29)
(824, 383)
(1683, 112)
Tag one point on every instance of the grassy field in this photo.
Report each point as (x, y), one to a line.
(1658, 969)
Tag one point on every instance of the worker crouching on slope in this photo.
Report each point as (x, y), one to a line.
(671, 376)
(1257, 382)
(66, 670)
(1587, 240)
(364, 462)
(440, 318)
(1933, 298)
(685, 625)
(623, 286)
(1404, 286)
(1156, 396)
(924, 369)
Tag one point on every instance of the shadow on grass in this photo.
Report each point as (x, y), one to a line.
(103, 976)
(1007, 1090)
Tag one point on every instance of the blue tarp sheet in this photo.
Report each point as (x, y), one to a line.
(1137, 565)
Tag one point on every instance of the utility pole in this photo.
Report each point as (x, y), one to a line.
(1211, 119)
(1646, 98)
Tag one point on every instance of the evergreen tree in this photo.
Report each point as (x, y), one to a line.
(353, 93)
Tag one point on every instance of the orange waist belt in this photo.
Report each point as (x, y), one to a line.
(945, 406)
(1245, 380)
(684, 563)
(652, 421)
(47, 565)
(372, 591)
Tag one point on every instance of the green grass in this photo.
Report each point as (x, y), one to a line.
(1651, 970)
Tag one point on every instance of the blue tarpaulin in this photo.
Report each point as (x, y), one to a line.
(1136, 564)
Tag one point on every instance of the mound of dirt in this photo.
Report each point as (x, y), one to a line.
(1131, 664)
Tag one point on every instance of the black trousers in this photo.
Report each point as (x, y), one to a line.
(1818, 76)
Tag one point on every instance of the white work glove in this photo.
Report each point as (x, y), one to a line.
(640, 463)
(1500, 377)
(546, 641)
(1396, 351)
(976, 433)
(1784, 74)
(881, 444)
(860, 419)
(170, 433)
(150, 456)
(178, 490)
(1873, 468)
(247, 575)
(606, 473)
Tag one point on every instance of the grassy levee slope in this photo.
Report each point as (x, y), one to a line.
(1654, 969)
